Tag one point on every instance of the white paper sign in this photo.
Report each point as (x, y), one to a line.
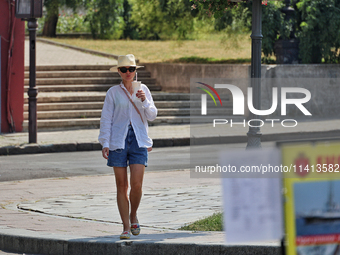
(252, 206)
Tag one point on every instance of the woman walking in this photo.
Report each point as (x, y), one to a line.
(125, 141)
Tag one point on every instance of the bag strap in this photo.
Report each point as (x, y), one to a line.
(140, 115)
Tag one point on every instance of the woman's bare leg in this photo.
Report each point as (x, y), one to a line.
(122, 197)
(136, 182)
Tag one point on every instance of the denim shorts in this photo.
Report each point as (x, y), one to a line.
(131, 154)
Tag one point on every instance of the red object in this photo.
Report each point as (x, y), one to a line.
(12, 32)
(318, 239)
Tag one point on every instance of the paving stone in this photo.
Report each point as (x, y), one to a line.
(47, 54)
(96, 207)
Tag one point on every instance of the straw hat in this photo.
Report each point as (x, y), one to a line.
(128, 60)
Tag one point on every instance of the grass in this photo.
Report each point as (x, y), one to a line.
(200, 60)
(215, 48)
(211, 223)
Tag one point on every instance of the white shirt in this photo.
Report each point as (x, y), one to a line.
(118, 112)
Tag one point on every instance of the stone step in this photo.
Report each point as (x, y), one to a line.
(77, 87)
(95, 122)
(57, 99)
(67, 106)
(75, 114)
(60, 97)
(72, 67)
(88, 96)
(100, 97)
(161, 96)
(72, 97)
(45, 115)
(87, 74)
(99, 105)
(65, 124)
(72, 81)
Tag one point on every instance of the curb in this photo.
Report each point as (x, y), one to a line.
(281, 137)
(37, 148)
(170, 142)
(105, 246)
(71, 147)
(100, 53)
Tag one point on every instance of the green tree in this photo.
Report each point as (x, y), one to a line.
(52, 9)
(148, 17)
(161, 19)
(226, 20)
(105, 18)
(241, 15)
(317, 25)
(272, 24)
(319, 31)
(130, 30)
(216, 8)
(179, 15)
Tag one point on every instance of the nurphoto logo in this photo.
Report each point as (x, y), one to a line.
(239, 102)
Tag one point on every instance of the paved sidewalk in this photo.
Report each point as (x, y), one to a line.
(78, 215)
(48, 54)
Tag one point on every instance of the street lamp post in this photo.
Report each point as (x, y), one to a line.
(254, 133)
(32, 25)
(30, 10)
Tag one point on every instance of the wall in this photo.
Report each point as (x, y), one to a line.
(176, 77)
(16, 92)
(323, 81)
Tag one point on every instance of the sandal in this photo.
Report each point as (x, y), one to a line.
(125, 235)
(135, 228)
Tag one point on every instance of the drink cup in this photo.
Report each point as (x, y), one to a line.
(136, 85)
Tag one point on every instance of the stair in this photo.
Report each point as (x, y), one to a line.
(71, 97)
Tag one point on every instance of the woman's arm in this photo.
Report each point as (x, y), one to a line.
(150, 109)
(106, 120)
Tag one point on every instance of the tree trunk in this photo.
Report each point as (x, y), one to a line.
(50, 25)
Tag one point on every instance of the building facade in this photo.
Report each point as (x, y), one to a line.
(12, 41)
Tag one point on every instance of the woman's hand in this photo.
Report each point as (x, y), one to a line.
(141, 94)
(105, 152)
(149, 149)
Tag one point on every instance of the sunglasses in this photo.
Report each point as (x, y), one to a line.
(124, 69)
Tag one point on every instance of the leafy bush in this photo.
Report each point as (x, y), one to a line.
(72, 23)
(319, 31)
(180, 17)
(272, 28)
(224, 21)
(51, 14)
(105, 18)
(216, 8)
(272, 24)
(148, 18)
(317, 25)
(162, 19)
(317, 22)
